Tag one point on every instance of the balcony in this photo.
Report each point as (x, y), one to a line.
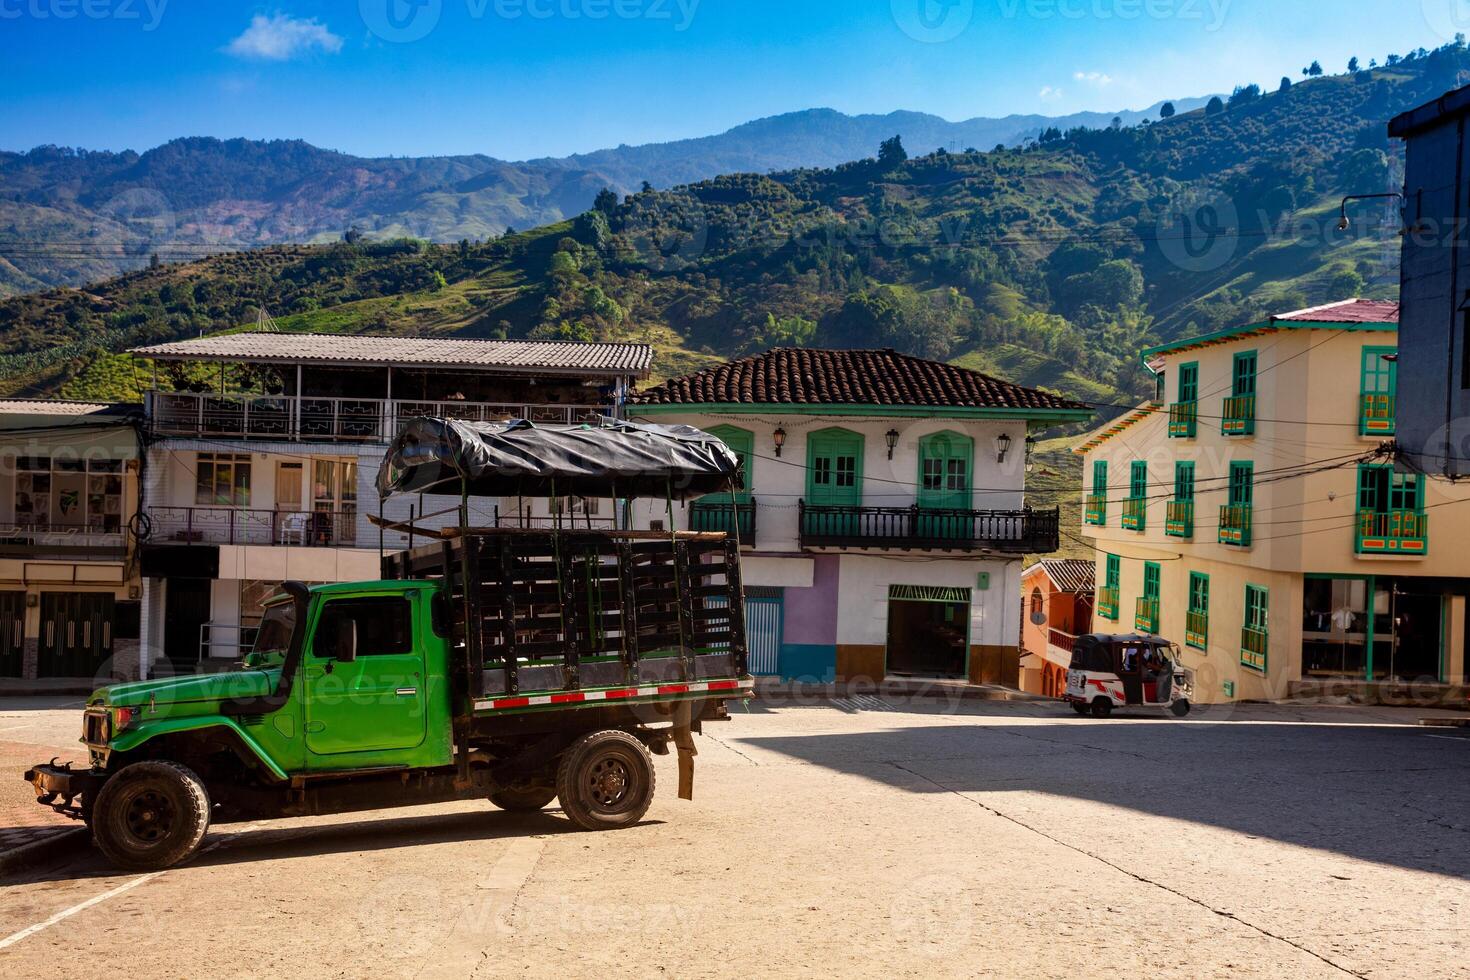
(1135, 513)
(1393, 532)
(1239, 416)
(1179, 519)
(228, 525)
(62, 541)
(1061, 640)
(1235, 525)
(1183, 420)
(1254, 644)
(1097, 509)
(1197, 629)
(1377, 416)
(1107, 602)
(930, 529)
(724, 518)
(1146, 615)
(291, 418)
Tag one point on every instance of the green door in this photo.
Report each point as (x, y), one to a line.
(375, 703)
(12, 632)
(945, 499)
(834, 480)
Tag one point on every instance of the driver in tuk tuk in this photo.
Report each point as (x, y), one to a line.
(1158, 670)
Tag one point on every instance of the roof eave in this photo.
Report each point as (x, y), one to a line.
(503, 369)
(1050, 415)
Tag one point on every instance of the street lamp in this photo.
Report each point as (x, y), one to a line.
(892, 438)
(1002, 447)
(779, 438)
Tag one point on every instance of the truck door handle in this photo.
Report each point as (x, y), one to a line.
(408, 692)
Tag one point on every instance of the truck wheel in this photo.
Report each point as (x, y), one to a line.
(523, 799)
(1102, 707)
(605, 781)
(151, 816)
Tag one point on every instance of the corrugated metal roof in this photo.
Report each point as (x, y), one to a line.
(1345, 311)
(562, 357)
(46, 406)
(1069, 574)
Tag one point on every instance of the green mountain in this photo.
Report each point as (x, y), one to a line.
(69, 217)
(1050, 264)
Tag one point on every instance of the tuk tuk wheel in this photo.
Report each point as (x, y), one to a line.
(150, 816)
(1102, 707)
(605, 781)
(1180, 708)
(1081, 709)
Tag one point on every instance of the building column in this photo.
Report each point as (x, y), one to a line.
(1454, 661)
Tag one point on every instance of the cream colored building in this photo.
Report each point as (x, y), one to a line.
(1254, 514)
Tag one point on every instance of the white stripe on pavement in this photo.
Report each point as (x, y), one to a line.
(65, 914)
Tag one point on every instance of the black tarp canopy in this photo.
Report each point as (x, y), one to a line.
(506, 459)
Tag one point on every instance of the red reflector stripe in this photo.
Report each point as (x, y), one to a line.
(567, 698)
(513, 703)
(723, 685)
(631, 692)
(674, 689)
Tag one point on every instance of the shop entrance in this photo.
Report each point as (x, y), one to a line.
(1372, 628)
(928, 631)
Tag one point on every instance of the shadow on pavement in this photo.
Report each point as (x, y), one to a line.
(1384, 794)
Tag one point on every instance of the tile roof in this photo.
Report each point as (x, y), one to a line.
(1345, 311)
(50, 406)
(1069, 574)
(805, 376)
(562, 357)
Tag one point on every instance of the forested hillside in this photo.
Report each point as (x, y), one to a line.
(1049, 264)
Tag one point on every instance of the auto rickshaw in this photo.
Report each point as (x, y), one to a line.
(1110, 672)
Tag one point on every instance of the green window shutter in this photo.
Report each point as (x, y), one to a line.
(1243, 381)
(1152, 575)
(1100, 477)
(1184, 481)
(1189, 382)
(1255, 640)
(1114, 572)
(1197, 622)
(1242, 484)
(1138, 479)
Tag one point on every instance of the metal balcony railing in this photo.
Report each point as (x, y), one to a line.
(930, 529)
(312, 419)
(61, 540)
(724, 518)
(230, 525)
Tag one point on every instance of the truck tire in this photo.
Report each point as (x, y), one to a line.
(523, 799)
(605, 781)
(1102, 707)
(150, 816)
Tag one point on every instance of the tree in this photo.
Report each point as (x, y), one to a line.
(1244, 95)
(1285, 84)
(1344, 284)
(891, 152)
(1215, 106)
(606, 202)
(1352, 66)
(1117, 122)
(1313, 70)
(1167, 110)
(352, 235)
(647, 188)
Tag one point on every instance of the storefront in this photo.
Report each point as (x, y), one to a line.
(1376, 627)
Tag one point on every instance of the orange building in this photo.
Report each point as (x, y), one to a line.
(1056, 609)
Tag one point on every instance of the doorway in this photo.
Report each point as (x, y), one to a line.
(186, 609)
(76, 633)
(12, 633)
(928, 631)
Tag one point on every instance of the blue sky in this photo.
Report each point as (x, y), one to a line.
(526, 78)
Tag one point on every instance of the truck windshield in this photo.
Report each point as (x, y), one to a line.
(276, 629)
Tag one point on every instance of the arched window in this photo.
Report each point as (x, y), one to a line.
(1038, 604)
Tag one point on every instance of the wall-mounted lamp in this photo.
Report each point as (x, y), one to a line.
(779, 438)
(1002, 447)
(1030, 454)
(1345, 223)
(892, 439)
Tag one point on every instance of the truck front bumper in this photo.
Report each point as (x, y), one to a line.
(62, 787)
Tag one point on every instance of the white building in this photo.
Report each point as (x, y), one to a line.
(265, 453)
(883, 515)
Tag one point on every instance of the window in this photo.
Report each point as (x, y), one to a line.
(1038, 605)
(222, 480)
(1134, 510)
(69, 493)
(1148, 613)
(1114, 571)
(1235, 516)
(1243, 382)
(1382, 490)
(1197, 621)
(1379, 391)
(1184, 414)
(1107, 598)
(1180, 518)
(1239, 417)
(1255, 639)
(384, 626)
(1391, 518)
(1138, 480)
(1100, 478)
(846, 471)
(574, 506)
(1189, 382)
(1097, 501)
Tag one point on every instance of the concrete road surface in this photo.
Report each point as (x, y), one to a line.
(859, 838)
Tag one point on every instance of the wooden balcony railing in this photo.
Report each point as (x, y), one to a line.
(930, 529)
(1107, 602)
(1235, 525)
(725, 518)
(1146, 615)
(1183, 420)
(1378, 415)
(1197, 629)
(1135, 514)
(1393, 532)
(312, 419)
(1179, 519)
(229, 525)
(1061, 640)
(1097, 509)
(1254, 645)
(1239, 416)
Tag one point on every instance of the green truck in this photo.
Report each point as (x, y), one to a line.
(507, 664)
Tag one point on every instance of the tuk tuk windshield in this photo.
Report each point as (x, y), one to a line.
(1093, 656)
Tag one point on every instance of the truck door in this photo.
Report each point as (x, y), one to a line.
(377, 702)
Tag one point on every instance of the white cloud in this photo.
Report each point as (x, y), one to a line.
(283, 37)
(1097, 78)
(1049, 94)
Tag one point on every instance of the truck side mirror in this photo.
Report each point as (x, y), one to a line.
(347, 641)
